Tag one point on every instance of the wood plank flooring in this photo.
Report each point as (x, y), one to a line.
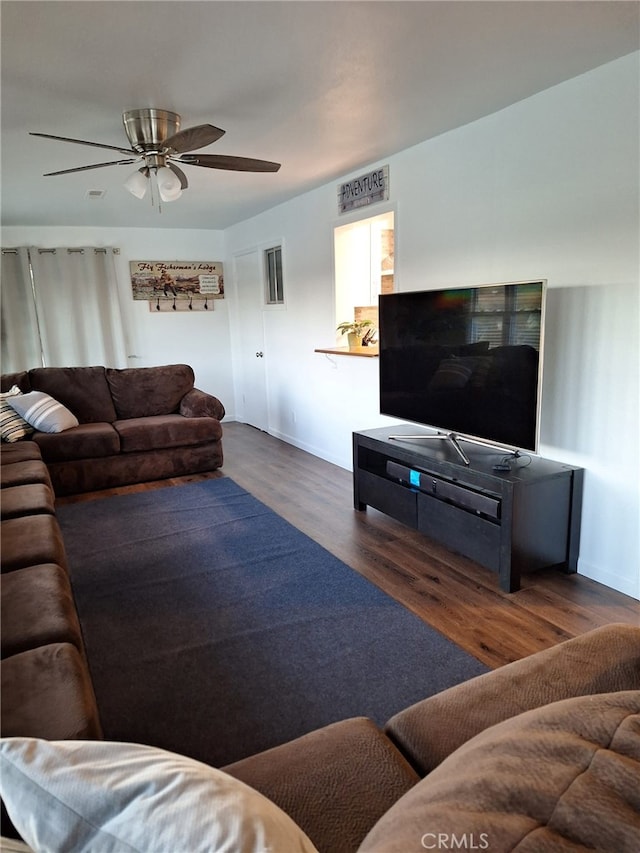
(459, 598)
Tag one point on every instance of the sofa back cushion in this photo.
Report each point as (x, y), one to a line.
(83, 390)
(140, 392)
(561, 777)
(20, 379)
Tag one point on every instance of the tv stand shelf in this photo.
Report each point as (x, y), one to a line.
(511, 522)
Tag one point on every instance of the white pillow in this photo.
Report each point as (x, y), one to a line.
(12, 425)
(106, 797)
(43, 412)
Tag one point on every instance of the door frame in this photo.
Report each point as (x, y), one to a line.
(243, 363)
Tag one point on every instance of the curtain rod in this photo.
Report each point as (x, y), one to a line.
(69, 251)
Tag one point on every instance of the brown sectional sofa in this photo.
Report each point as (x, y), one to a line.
(542, 754)
(46, 687)
(135, 425)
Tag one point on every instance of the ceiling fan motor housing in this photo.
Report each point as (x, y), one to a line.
(147, 129)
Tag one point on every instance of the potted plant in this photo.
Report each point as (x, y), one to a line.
(354, 331)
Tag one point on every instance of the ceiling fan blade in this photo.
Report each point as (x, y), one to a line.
(227, 161)
(184, 183)
(84, 142)
(193, 137)
(95, 166)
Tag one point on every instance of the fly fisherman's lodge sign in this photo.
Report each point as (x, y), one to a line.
(363, 190)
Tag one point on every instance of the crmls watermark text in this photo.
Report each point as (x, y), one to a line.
(452, 841)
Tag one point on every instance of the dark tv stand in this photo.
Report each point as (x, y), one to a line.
(511, 522)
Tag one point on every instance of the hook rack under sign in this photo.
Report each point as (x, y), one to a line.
(176, 303)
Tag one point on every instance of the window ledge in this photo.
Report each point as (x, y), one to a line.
(363, 352)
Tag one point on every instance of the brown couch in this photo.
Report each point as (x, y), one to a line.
(46, 686)
(135, 425)
(542, 754)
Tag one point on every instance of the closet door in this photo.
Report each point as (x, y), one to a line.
(252, 357)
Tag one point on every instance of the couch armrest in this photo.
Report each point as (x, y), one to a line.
(335, 782)
(199, 404)
(605, 660)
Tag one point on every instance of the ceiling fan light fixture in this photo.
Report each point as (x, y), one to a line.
(169, 185)
(157, 141)
(137, 183)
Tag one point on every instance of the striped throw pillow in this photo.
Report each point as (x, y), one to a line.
(43, 412)
(12, 426)
(452, 373)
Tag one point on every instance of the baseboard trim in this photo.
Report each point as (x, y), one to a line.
(627, 587)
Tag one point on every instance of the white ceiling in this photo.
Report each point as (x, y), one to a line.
(325, 88)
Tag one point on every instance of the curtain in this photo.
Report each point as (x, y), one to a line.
(79, 320)
(21, 347)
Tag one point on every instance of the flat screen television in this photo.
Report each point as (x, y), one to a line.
(465, 361)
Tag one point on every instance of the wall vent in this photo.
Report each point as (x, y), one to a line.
(95, 194)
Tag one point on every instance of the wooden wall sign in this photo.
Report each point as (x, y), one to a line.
(363, 190)
(177, 285)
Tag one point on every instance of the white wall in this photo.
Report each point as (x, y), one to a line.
(547, 188)
(198, 338)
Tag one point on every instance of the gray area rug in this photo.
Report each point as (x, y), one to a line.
(216, 629)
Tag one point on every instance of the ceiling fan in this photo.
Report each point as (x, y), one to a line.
(159, 145)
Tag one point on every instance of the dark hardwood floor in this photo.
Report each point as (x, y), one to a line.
(451, 593)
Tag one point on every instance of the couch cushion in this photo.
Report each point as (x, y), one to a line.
(605, 660)
(105, 796)
(163, 431)
(28, 499)
(21, 379)
(31, 540)
(47, 693)
(37, 608)
(563, 777)
(29, 471)
(20, 452)
(138, 392)
(87, 441)
(83, 390)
